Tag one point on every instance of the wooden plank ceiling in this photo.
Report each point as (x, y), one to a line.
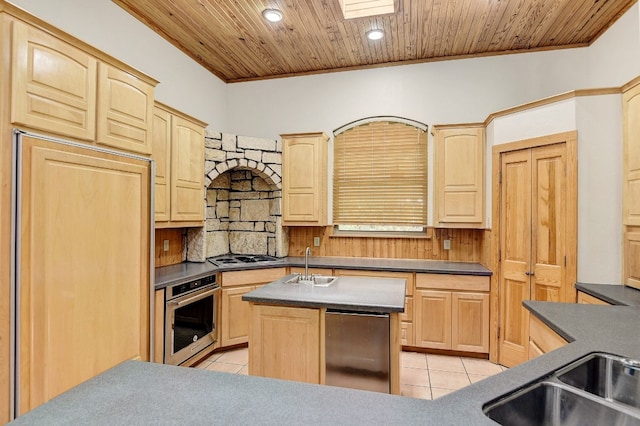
(232, 39)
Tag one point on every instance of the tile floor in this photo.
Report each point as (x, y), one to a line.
(424, 376)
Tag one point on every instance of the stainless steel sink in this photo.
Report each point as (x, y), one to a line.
(551, 403)
(608, 376)
(316, 280)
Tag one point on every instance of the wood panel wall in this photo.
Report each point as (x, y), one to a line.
(177, 241)
(467, 245)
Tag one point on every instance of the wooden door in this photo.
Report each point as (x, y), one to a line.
(515, 248)
(53, 84)
(548, 224)
(631, 152)
(433, 319)
(533, 240)
(187, 171)
(84, 266)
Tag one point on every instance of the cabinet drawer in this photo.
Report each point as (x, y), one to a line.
(253, 276)
(587, 299)
(453, 282)
(543, 336)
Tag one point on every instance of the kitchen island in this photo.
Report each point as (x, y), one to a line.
(291, 328)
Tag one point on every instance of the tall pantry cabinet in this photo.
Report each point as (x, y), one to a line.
(82, 243)
(631, 183)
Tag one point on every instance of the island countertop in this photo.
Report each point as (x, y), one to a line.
(362, 294)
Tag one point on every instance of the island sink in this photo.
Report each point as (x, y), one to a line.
(316, 280)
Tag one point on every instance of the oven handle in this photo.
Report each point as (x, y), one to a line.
(194, 298)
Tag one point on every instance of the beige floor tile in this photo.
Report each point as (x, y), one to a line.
(445, 363)
(244, 370)
(437, 392)
(448, 379)
(413, 360)
(224, 367)
(420, 392)
(476, 377)
(482, 367)
(235, 356)
(204, 364)
(414, 376)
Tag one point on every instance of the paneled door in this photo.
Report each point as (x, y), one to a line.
(84, 266)
(533, 240)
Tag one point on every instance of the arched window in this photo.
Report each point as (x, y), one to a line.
(380, 176)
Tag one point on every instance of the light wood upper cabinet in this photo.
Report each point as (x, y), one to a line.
(459, 177)
(125, 110)
(64, 88)
(178, 150)
(161, 153)
(53, 84)
(304, 179)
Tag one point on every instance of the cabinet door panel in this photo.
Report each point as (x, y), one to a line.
(187, 171)
(235, 316)
(470, 322)
(125, 110)
(276, 327)
(632, 259)
(631, 163)
(433, 319)
(53, 84)
(459, 175)
(161, 155)
(84, 263)
(304, 179)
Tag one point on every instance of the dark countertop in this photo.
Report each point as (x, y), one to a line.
(612, 293)
(137, 393)
(349, 293)
(176, 274)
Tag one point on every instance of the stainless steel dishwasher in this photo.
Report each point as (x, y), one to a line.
(357, 350)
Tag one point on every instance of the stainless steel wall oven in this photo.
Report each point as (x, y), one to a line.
(190, 318)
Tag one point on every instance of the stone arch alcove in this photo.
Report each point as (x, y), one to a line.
(243, 178)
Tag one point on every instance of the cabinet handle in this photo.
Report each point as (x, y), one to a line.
(530, 273)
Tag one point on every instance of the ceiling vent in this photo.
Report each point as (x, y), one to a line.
(362, 8)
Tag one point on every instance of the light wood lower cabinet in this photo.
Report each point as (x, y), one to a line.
(542, 339)
(287, 343)
(452, 312)
(587, 299)
(234, 321)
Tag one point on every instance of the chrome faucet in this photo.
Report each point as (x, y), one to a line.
(307, 253)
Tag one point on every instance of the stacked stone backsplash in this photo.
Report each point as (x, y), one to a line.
(243, 199)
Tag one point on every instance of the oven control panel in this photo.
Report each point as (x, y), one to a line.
(187, 287)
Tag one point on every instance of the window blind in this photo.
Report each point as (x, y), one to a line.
(380, 175)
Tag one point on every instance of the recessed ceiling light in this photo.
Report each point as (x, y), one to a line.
(375, 34)
(272, 15)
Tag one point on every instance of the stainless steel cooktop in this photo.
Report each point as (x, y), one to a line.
(230, 259)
